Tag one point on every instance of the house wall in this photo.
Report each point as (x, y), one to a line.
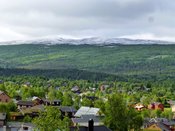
(153, 127)
(159, 106)
(1, 123)
(173, 108)
(4, 98)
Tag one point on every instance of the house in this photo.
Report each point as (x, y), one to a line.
(85, 128)
(3, 119)
(90, 127)
(67, 111)
(158, 127)
(25, 104)
(139, 107)
(83, 120)
(103, 87)
(32, 111)
(156, 106)
(87, 111)
(4, 97)
(92, 98)
(37, 101)
(158, 124)
(27, 84)
(19, 126)
(1, 81)
(76, 89)
(51, 103)
(172, 105)
(16, 116)
(142, 88)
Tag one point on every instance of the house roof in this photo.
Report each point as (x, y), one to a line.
(169, 123)
(163, 127)
(3, 116)
(46, 100)
(35, 97)
(86, 118)
(36, 108)
(67, 109)
(156, 103)
(139, 106)
(19, 124)
(162, 123)
(171, 102)
(75, 88)
(56, 101)
(87, 111)
(93, 98)
(157, 120)
(96, 128)
(2, 92)
(25, 103)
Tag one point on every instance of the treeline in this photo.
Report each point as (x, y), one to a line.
(72, 74)
(75, 74)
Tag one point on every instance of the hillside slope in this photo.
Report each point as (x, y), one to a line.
(117, 59)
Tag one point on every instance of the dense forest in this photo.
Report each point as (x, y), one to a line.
(90, 62)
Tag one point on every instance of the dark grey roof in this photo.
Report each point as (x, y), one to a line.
(46, 100)
(67, 109)
(86, 118)
(163, 127)
(169, 123)
(56, 101)
(96, 128)
(3, 116)
(25, 103)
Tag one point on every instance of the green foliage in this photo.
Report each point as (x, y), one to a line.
(7, 107)
(50, 120)
(86, 102)
(67, 99)
(167, 113)
(118, 116)
(27, 119)
(4, 107)
(136, 62)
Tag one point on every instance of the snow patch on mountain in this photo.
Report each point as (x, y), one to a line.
(89, 41)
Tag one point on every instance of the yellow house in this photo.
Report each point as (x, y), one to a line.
(153, 127)
(157, 127)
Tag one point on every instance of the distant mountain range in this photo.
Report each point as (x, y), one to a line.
(89, 41)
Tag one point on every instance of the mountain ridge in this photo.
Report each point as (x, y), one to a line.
(89, 41)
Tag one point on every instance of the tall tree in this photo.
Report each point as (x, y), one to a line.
(67, 99)
(49, 120)
(118, 116)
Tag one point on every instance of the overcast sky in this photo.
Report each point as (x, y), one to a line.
(140, 19)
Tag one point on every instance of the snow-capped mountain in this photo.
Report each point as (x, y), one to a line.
(89, 41)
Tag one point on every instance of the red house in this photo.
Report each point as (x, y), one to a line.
(156, 106)
(4, 97)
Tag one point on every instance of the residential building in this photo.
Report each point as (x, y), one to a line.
(4, 97)
(25, 104)
(156, 106)
(3, 118)
(83, 120)
(87, 111)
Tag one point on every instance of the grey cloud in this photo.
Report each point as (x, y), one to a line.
(87, 17)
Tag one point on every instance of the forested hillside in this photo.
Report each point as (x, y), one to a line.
(125, 60)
